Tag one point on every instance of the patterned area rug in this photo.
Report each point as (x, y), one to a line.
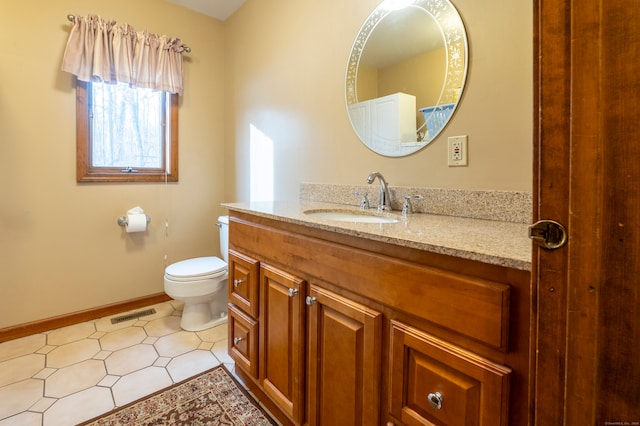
(211, 398)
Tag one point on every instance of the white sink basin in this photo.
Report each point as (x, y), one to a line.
(350, 216)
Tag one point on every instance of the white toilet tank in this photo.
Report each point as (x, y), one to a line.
(223, 224)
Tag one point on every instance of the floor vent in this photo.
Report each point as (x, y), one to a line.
(134, 315)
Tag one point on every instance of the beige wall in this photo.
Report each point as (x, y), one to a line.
(277, 65)
(285, 69)
(367, 83)
(61, 250)
(421, 76)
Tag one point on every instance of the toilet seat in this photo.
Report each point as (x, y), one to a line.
(199, 268)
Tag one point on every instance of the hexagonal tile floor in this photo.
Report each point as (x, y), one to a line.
(72, 374)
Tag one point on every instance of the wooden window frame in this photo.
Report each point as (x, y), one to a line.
(86, 173)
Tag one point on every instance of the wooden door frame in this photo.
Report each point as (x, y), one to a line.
(586, 137)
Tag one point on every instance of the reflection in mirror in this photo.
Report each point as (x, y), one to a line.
(405, 75)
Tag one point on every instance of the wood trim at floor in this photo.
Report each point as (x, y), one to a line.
(27, 329)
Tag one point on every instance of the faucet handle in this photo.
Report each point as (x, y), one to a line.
(364, 203)
(407, 208)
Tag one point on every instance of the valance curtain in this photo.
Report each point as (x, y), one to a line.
(103, 51)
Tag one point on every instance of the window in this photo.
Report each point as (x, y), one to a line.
(125, 134)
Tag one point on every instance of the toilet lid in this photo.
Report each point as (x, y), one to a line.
(198, 268)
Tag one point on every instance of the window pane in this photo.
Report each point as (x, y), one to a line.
(126, 127)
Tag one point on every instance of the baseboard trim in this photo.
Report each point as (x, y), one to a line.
(27, 329)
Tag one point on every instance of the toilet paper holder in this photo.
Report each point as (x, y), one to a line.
(122, 220)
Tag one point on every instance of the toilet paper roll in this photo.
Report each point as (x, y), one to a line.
(136, 223)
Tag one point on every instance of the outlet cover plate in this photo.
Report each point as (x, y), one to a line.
(457, 153)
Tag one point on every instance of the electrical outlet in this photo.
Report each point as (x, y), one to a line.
(457, 151)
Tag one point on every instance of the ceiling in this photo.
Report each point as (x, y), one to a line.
(402, 34)
(219, 9)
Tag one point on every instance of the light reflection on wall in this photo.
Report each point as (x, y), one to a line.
(260, 166)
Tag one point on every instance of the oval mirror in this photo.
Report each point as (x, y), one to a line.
(405, 74)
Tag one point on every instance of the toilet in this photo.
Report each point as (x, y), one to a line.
(201, 283)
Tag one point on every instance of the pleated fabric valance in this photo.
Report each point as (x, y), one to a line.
(103, 51)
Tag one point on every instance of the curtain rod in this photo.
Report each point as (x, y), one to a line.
(72, 18)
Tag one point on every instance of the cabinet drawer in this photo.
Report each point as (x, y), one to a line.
(243, 282)
(434, 382)
(243, 340)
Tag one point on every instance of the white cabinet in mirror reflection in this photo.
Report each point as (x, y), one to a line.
(387, 123)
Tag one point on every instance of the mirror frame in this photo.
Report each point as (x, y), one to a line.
(455, 40)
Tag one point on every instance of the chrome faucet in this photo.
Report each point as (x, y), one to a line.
(384, 203)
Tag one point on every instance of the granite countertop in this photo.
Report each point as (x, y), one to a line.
(495, 242)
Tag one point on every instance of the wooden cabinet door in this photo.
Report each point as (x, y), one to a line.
(344, 360)
(282, 331)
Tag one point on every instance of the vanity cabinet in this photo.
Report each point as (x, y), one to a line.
(358, 332)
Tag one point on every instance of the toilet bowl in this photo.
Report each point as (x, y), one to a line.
(201, 283)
